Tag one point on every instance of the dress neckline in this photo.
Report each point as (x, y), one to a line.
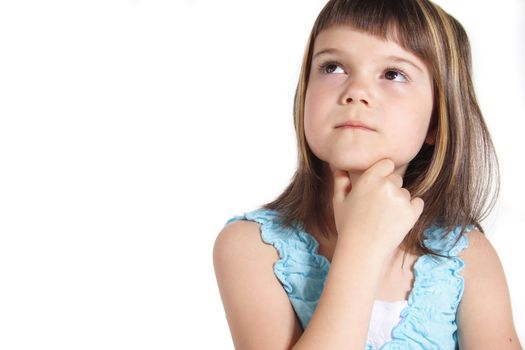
(407, 310)
(425, 267)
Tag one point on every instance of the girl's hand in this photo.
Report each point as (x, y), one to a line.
(377, 210)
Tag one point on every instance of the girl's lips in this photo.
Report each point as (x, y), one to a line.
(354, 125)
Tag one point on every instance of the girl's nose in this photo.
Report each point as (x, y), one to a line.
(356, 92)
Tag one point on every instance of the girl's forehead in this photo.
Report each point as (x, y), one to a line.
(346, 35)
(345, 40)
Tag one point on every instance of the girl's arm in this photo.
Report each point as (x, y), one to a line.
(258, 311)
(342, 317)
(484, 314)
(371, 220)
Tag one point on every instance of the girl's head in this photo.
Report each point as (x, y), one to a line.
(359, 78)
(402, 68)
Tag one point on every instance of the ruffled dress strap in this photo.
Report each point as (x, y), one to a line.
(300, 269)
(429, 319)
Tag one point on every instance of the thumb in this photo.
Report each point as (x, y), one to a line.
(341, 185)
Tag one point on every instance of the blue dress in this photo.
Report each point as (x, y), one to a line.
(429, 319)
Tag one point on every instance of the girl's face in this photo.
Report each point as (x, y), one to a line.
(360, 79)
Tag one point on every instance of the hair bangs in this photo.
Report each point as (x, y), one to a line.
(399, 21)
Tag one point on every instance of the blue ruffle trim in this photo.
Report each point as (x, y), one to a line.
(429, 319)
(300, 269)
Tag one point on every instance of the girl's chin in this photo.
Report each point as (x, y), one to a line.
(359, 168)
(351, 167)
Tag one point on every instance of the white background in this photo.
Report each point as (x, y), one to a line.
(130, 131)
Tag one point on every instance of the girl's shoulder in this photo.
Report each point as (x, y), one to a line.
(287, 240)
(242, 233)
(242, 236)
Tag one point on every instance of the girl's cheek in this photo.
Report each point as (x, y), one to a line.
(398, 89)
(329, 80)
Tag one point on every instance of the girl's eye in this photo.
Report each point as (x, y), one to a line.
(397, 72)
(331, 65)
(391, 73)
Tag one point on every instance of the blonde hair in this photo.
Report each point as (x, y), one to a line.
(457, 176)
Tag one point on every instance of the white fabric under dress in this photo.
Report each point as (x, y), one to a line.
(385, 316)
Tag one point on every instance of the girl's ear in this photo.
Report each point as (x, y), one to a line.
(431, 136)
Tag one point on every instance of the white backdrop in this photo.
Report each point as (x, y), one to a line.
(130, 131)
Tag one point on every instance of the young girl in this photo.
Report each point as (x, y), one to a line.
(376, 243)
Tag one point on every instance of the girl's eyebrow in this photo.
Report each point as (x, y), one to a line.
(401, 59)
(392, 58)
(325, 51)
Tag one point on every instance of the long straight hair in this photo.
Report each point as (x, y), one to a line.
(457, 176)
